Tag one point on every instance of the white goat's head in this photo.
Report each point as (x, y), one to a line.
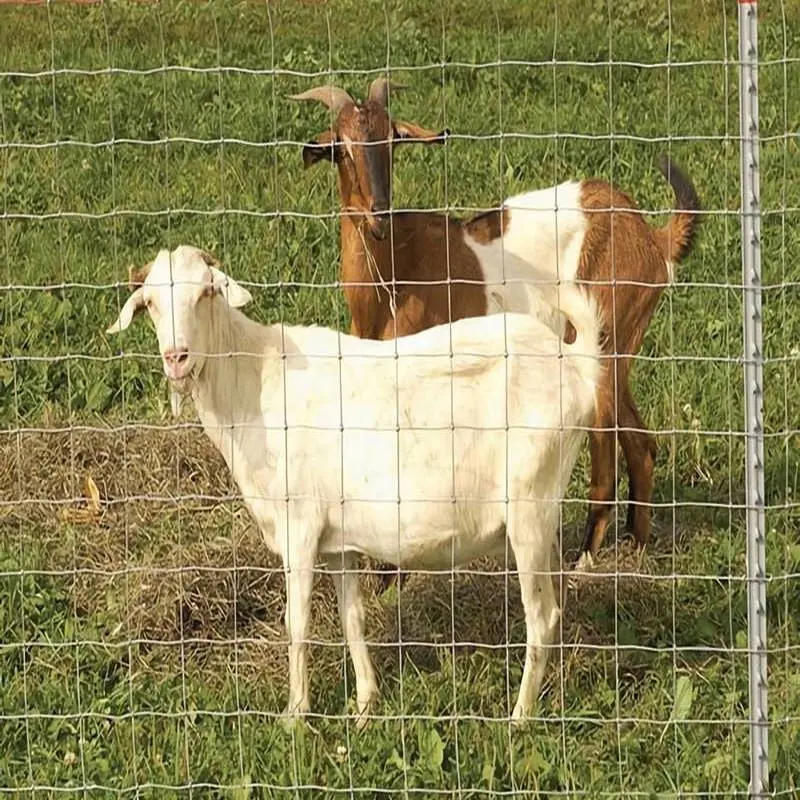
(180, 290)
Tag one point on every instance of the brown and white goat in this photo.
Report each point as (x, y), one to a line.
(604, 242)
(433, 268)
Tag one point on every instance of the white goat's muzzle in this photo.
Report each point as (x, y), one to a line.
(177, 364)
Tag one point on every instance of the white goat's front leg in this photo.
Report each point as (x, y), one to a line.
(351, 611)
(299, 583)
(541, 618)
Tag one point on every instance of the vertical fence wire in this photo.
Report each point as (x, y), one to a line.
(753, 389)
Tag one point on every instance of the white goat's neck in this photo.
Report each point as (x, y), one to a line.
(227, 393)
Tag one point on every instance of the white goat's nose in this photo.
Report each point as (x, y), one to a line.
(175, 356)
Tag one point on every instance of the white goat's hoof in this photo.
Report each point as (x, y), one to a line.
(362, 720)
(293, 716)
(364, 709)
(519, 716)
(289, 722)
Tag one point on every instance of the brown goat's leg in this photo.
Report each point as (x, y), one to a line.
(603, 489)
(639, 446)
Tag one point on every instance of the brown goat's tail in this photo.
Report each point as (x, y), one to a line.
(675, 239)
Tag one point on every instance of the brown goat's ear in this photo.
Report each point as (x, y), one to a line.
(319, 149)
(409, 132)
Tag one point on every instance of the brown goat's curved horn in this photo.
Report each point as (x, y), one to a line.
(379, 90)
(332, 96)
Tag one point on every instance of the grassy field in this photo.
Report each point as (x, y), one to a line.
(143, 652)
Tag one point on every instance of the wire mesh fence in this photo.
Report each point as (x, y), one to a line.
(142, 641)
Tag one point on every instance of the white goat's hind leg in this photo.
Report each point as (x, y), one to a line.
(351, 611)
(541, 618)
(299, 583)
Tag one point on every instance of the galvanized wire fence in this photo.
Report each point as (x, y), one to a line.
(142, 649)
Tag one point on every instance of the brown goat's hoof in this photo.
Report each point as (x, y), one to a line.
(585, 562)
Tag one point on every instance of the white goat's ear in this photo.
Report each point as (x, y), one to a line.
(133, 305)
(236, 296)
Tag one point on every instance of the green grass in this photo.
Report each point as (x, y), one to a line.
(147, 651)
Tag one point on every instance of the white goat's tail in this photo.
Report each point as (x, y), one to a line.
(582, 312)
(581, 326)
(567, 309)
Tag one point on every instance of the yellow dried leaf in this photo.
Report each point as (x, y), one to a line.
(93, 494)
(91, 513)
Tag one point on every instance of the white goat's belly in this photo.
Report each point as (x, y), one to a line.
(452, 512)
(415, 498)
(415, 535)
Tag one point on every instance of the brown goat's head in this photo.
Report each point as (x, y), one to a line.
(360, 143)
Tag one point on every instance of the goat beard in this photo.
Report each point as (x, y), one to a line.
(175, 401)
(183, 385)
(177, 391)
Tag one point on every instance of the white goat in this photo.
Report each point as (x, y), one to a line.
(425, 452)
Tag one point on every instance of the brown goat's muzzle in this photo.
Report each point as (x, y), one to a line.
(378, 225)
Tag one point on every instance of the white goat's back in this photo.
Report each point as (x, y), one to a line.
(426, 448)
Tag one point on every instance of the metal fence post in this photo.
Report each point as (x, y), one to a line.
(753, 385)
